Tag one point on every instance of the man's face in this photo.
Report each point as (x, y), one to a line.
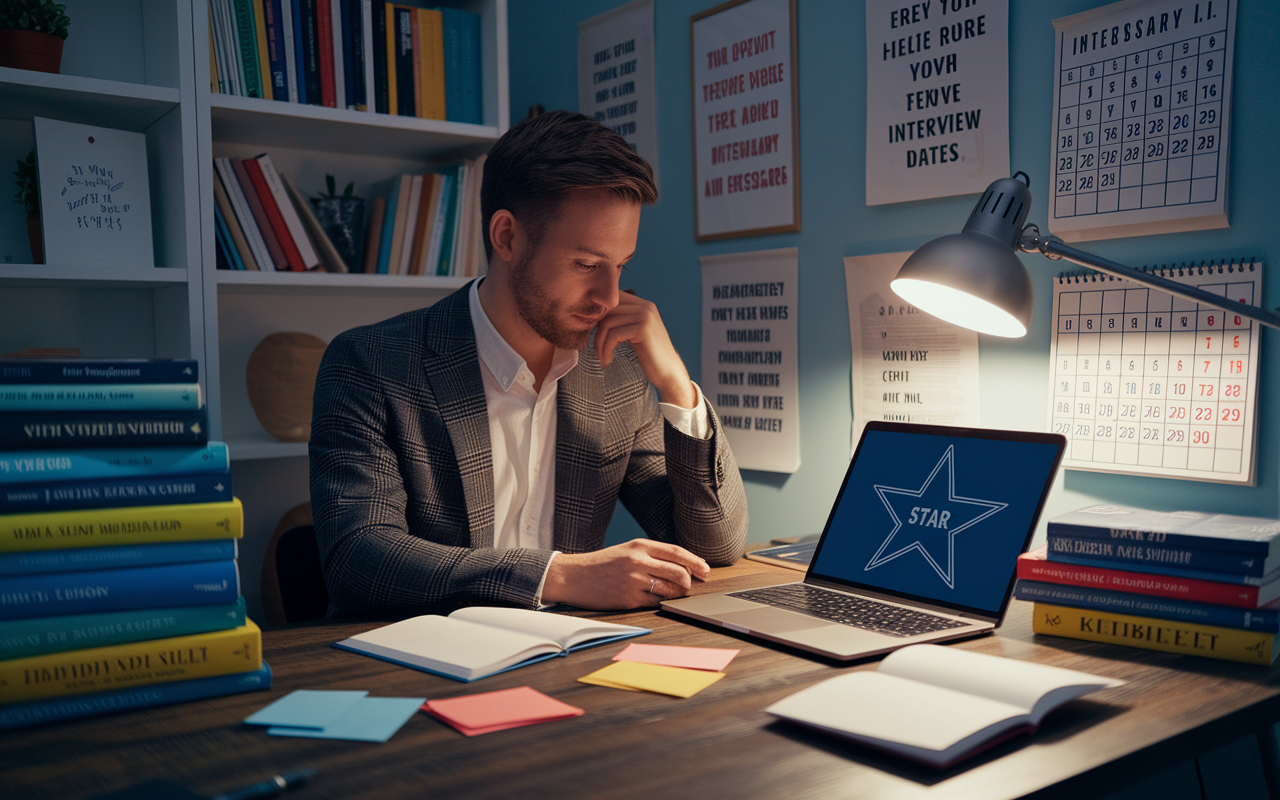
(566, 284)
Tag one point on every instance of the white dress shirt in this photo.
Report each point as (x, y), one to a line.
(522, 434)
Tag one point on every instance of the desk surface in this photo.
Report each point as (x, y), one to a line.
(716, 744)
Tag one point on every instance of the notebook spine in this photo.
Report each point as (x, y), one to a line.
(1172, 270)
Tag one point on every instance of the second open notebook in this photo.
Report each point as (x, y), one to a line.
(480, 641)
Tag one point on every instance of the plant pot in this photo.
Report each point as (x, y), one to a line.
(343, 220)
(37, 240)
(31, 50)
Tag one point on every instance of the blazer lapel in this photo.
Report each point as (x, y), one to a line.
(452, 367)
(579, 433)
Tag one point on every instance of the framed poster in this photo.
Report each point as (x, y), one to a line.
(746, 139)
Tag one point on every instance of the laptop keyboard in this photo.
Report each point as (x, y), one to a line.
(846, 609)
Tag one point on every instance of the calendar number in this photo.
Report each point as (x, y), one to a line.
(1124, 432)
(1178, 412)
(1230, 415)
(1200, 437)
(1206, 91)
(1208, 116)
(1231, 391)
(1179, 121)
(1175, 436)
(1205, 142)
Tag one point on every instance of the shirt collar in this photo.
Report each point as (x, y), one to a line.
(501, 358)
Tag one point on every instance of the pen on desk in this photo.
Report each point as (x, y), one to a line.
(271, 787)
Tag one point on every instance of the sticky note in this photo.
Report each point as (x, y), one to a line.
(497, 711)
(714, 659)
(370, 719)
(653, 678)
(306, 708)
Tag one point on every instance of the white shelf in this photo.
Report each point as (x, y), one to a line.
(129, 106)
(252, 449)
(252, 120)
(43, 275)
(257, 282)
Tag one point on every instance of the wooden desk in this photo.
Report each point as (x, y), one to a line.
(716, 744)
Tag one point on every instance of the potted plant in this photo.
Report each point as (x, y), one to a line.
(342, 217)
(32, 33)
(29, 196)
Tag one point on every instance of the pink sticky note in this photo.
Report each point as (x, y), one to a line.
(714, 659)
(497, 711)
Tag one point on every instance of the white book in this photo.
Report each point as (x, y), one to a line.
(366, 24)
(937, 705)
(233, 44)
(339, 77)
(231, 185)
(411, 225)
(225, 42)
(299, 234)
(479, 641)
(459, 215)
(290, 68)
(477, 264)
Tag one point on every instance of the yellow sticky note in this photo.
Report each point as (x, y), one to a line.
(633, 675)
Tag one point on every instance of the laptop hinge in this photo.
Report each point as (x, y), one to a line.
(817, 580)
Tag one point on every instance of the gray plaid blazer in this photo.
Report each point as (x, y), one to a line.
(402, 469)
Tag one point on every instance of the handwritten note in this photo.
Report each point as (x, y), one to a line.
(95, 198)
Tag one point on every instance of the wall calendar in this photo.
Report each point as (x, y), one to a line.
(1145, 383)
(1142, 110)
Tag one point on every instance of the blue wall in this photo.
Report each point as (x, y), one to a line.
(837, 223)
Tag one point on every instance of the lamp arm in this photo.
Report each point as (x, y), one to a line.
(1054, 248)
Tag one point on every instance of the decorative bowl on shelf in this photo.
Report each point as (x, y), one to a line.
(280, 379)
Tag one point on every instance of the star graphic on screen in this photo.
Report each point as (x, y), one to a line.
(934, 515)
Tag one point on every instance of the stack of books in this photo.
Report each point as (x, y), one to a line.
(119, 586)
(1180, 582)
(429, 225)
(364, 55)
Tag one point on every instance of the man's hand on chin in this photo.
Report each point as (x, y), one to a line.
(637, 321)
(633, 574)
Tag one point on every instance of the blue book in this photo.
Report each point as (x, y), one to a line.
(355, 35)
(101, 397)
(30, 430)
(299, 52)
(36, 562)
(98, 370)
(449, 196)
(349, 66)
(37, 636)
(158, 490)
(28, 466)
(469, 26)
(35, 712)
(1131, 555)
(388, 228)
(451, 24)
(99, 590)
(1162, 569)
(1256, 536)
(1265, 620)
(275, 50)
(225, 242)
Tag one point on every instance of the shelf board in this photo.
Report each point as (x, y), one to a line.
(252, 449)
(43, 275)
(251, 120)
(257, 282)
(91, 101)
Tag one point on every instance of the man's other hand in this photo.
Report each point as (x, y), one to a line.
(621, 576)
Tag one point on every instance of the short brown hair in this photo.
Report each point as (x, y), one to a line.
(537, 161)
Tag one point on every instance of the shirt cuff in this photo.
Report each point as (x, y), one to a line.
(537, 597)
(689, 421)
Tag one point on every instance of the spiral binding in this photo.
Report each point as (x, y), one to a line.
(1211, 267)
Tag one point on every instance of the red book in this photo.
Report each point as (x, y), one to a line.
(1035, 566)
(273, 214)
(324, 27)
(278, 259)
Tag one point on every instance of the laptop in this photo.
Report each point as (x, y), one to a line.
(921, 544)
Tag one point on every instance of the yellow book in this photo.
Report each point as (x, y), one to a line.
(264, 64)
(123, 666)
(94, 527)
(392, 99)
(1148, 633)
(431, 72)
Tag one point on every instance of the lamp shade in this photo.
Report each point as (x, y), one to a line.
(974, 278)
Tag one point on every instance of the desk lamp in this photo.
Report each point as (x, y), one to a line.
(973, 279)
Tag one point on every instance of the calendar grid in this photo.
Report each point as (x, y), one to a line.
(1148, 383)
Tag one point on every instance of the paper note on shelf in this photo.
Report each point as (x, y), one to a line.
(498, 711)
(633, 675)
(714, 659)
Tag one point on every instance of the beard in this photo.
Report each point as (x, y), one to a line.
(543, 313)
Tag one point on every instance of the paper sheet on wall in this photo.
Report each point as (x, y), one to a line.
(908, 366)
(750, 348)
(937, 98)
(616, 83)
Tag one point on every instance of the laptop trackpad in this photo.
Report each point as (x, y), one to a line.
(770, 620)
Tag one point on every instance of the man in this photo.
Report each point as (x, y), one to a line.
(473, 451)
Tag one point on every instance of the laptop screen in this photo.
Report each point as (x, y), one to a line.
(938, 515)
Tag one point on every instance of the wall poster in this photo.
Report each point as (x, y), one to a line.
(746, 140)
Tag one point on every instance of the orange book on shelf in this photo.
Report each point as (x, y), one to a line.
(373, 237)
(397, 232)
(417, 65)
(392, 97)
(431, 68)
(422, 226)
(264, 64)
(324, 28)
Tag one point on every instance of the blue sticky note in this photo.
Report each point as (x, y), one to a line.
(370, 719)
(306, 708)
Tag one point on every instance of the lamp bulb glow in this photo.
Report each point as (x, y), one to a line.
(958, 308)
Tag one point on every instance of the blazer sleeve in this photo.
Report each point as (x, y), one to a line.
(684, 490)
(374, 562)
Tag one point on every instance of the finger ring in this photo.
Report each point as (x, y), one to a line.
(651, 585)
